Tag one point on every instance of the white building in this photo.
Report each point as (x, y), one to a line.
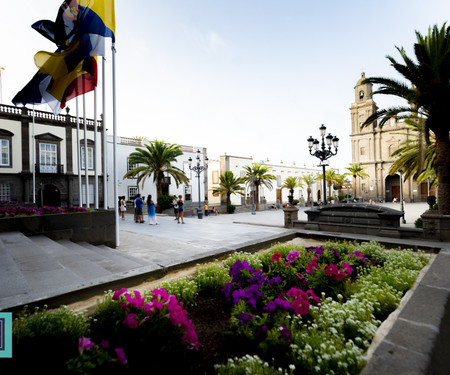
(128, 187)
(278, 194)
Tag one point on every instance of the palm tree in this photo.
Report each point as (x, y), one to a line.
(339, 181)
(416, 156)
(257, 175)
(308, 179)
(155, 159)
(356, 170)
(291, 183)
(228, 184)
(427, 94)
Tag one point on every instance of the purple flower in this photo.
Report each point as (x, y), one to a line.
(121, 356)
(84, 344)
(244, 318)
(238, 295)
(293, 255)
(284, 333)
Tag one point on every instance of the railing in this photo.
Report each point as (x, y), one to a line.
(50, 168)
(27, 112)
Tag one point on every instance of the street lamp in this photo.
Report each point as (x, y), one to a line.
(198, 169)
(323, 152)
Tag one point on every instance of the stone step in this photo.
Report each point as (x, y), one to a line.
(34, 270)
(114, 260)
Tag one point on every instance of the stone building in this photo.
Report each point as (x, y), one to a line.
(372, 148)
(44, 151)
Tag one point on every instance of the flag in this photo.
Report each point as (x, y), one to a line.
(1, 68)
(43, 88)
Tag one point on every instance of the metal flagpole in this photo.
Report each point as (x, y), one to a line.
(104, 150)
(95, 151)
(34, 161)
(116, 200)
(80, 197)
(86, 169)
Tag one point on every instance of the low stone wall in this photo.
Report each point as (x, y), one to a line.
(96, 227)
(436, 226)
(419, 340)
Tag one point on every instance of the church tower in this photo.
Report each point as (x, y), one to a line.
(372, 148)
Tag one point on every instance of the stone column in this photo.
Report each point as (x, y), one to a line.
(290, 215)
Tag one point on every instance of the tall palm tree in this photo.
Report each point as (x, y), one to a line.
(228, 184)
(258, 175)
(291, 183)
(155, 159)
(427, 93)
(308, 179)
(356, 170)
(339, 181)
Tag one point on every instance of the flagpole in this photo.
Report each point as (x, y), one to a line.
(86, 169)
(79, 156)
(34, 160)
(116, 199)
(104, 150)
(95, 151)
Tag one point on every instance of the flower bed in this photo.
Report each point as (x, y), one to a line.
(289, 310)
(13, 211)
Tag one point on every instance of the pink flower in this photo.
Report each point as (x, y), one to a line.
(84, 344)
(118, 293)
(312, 266)
(137, 301)
(347, 268)
(276, 257)
(160, 294)
(121, 356)
(293, 255)
(131, 321)
(287, 265)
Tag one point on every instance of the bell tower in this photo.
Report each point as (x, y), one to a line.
(363, 106)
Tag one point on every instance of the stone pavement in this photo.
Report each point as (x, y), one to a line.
(42, 271)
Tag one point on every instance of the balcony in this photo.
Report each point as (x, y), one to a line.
(49, 168)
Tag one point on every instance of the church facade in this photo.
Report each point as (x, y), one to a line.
(372, 148)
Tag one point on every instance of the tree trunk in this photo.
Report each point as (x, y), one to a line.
(228, 199)
(443, 170)
(308, 190)
(257, 197)
(158, 194)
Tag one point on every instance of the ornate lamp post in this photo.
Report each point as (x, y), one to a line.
(323, 152)
(198, 169)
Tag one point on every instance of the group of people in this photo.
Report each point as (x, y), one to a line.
(178, 208)
(138, 209)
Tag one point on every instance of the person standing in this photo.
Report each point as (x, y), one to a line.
(139, 207)
(175, 207)
(122, 207)
(180, 209)
(151, 211)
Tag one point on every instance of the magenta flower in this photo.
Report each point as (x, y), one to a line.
(84, 344)
(131, 321)
(121, 358)
(293, 255)
(118, 293)
(137, 301)
(276, 257)
(312, 266)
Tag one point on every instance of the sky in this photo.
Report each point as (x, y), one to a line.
(251, 78)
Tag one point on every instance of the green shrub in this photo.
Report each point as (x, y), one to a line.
(185, 289)
(165, 202)
(43, 335)
(231, 208)
(418, 223)
(211, 277)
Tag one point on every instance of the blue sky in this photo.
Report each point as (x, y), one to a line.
(249, 78)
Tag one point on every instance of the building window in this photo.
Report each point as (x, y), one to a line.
(5, 160)
(215, 177)
(132, 192)
(131, 166)
(48, 157)
(90, 156)
(362, 151)
(5, 192)
(188, 193)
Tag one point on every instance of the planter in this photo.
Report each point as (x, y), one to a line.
(95, 227)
